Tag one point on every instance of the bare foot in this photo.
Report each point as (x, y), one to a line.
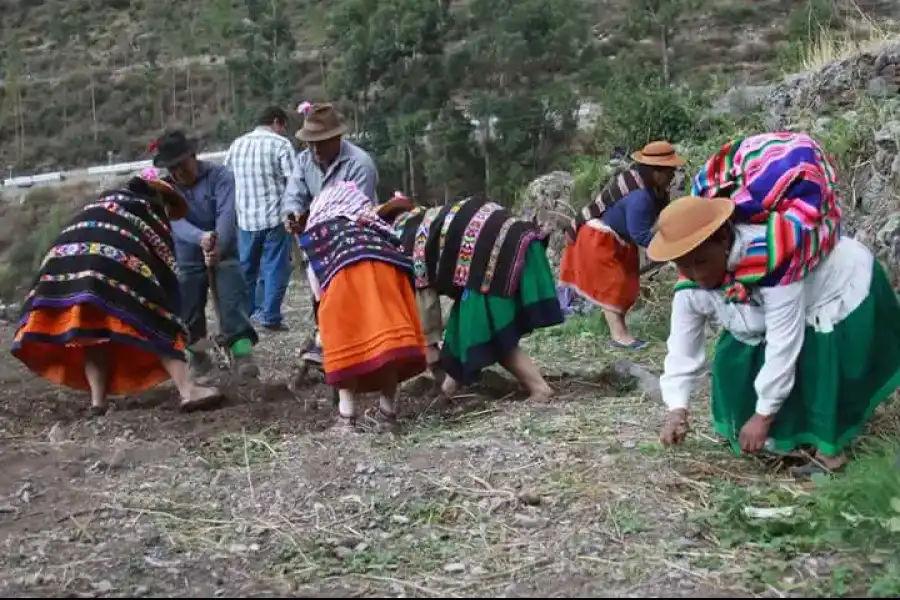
(541, 395)
(449, 387)
(201, 397)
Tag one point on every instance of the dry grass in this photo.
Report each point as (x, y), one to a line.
(493, 498)
(862, 34)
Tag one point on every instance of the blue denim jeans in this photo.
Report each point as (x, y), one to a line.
(266, 262)
(233, 300)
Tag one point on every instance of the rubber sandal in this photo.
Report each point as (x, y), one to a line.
(380, 421)
(203, 403)
(813, 468)
(98, 411)
(635, 345)
(344, 424)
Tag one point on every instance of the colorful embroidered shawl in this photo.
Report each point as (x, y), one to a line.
(784, 181)
(472, 244)
(620, 186)
(343, 229)
(116, 254)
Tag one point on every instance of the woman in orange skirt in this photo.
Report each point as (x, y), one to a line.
(101, 315)
(372, 338)
(601, 263)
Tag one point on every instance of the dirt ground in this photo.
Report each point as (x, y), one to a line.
(489, 497)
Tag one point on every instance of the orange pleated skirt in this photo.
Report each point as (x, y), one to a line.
(370, 328)
(603, 269)
(52, 343)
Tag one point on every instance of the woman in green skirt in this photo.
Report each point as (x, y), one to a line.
(802, 361)
(495, 268)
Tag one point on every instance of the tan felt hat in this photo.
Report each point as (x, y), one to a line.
(658, 154)
(322, 123)
(685, 224)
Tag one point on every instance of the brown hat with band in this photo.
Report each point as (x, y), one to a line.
(658, 154)
(396, 206)
(685, 224)
(322, 122)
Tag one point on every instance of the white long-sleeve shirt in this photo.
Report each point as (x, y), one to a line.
(777, 316)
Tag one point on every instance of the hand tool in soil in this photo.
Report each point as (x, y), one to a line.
(220, 342)
(306, 364)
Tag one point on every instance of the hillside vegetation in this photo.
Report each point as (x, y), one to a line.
(82, 78)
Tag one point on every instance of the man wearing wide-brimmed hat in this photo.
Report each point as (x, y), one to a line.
(206, 241)
(602, 262)
(327, 160)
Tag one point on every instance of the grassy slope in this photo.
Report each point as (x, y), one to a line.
(735, 40)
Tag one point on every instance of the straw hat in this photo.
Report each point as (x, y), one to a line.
(685, 224)
(322, 122)
(658, 154)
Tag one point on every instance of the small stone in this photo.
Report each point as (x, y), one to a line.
(103, 586)
(400, 519)
(529, 498)
(361, 547)
(56, 434)
(342, 552)
(455, 568)
(141, 590)
(528, 521)
(238, 548)
(629, 444)
(878, 87)
(8, 508)
(478, 571)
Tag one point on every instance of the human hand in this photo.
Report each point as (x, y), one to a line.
(754, 433)
(675, 429)
(211, 258)
(208, 241)
(293, 223)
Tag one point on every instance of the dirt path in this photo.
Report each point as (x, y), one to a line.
(490, 497)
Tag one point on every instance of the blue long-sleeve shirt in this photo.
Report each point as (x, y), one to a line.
(308, 179)
(210, 203)
(633, 217)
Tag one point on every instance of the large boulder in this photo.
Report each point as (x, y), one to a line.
(838, 83)
(548, 199)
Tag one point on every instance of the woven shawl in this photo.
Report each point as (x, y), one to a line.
(339, 243)
(116, 254)
(784, 181)
(619, 186)
(472, 244)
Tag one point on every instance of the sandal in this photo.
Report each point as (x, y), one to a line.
(814, 468)
(345, 424)
(635, 345)
(98, 411)
(379, 420)
(211, 400)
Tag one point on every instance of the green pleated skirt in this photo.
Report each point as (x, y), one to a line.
(841, 378)
(483, 329)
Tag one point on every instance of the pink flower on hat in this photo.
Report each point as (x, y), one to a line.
(304, 108)
(150, 173)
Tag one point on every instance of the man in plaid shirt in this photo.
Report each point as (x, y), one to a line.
(261, 161)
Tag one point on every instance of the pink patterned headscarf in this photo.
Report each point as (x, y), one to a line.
(345, 199)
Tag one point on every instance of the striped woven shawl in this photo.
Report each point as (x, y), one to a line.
(785, 181)
(620, 186)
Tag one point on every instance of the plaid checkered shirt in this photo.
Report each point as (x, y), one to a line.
(261, 162)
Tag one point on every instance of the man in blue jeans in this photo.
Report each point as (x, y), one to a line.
(261, 162)
(206, 240)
